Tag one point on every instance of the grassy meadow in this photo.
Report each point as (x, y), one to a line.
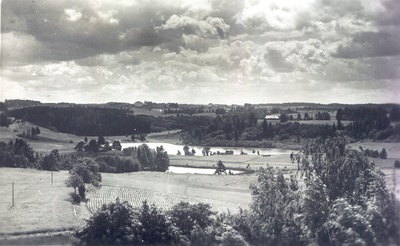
(46, 141)
(42, 207)
(38, 205)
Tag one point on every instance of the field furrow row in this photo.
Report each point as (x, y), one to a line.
(136, 197)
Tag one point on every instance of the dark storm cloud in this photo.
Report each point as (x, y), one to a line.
(392, 14)
(370, 44)
(75, 29)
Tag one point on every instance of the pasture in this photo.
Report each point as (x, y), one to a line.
(234, 161)
(46, 141)
(38, 205)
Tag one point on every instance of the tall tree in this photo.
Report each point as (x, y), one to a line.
(74, 181)
(146, 157)
(88, 170)
(161, 160)
(52, 161)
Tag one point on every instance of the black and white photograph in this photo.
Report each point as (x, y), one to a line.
(200, 122)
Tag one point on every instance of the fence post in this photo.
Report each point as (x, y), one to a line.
(12, 194)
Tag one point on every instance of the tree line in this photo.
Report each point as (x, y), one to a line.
(85, 121)
(369, 122)
(238, 126)
(141, 158)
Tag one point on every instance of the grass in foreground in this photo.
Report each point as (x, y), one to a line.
(38, 205)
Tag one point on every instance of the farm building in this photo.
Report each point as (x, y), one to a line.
(272, 117)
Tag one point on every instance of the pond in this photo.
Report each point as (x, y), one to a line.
(172, 149)
(192, 170)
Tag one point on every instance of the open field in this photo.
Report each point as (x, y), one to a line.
(166, 189)
(38, 205)
(47, 139)
(392, 149)
(172, 137)
(233, 161)
(42, 207)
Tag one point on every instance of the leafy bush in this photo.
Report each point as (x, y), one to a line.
(383, 154)
(199, 237)
(115, 224)
(155, 226)
(187, 217)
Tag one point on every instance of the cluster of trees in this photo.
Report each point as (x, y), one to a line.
(337, 197)
(4, 120)
(100, 145)
(18, 154)
(149, 159)
(322, 116)
(222, 132)
(30, 134)
(134, 159)
(85, 171)
(186, 110)
(375, 153)
(84, 120)
(117, 164)
(369, 122)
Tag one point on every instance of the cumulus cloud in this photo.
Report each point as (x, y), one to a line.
(272, 15)
(305, 56)
(72, 15)
(211, 27)
(226, 49)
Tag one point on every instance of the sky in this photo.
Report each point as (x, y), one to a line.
(201, 51)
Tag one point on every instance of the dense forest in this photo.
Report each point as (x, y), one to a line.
(368, 122)
(85, 121)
